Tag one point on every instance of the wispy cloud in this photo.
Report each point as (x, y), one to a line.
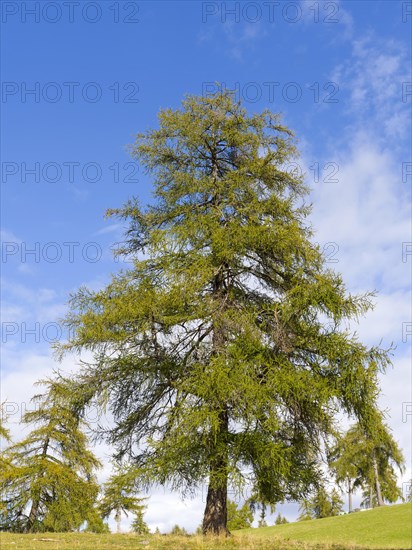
(375, 78)
(331, 15)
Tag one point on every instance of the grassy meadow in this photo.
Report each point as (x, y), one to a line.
(389, 527)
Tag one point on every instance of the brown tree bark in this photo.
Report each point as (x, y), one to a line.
(215, 515)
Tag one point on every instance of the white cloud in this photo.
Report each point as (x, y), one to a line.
(375, 77)
(367, 213)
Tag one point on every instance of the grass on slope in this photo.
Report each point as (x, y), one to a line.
(385, 527)
(87, 541)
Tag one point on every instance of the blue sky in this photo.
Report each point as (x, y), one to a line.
(339, 72)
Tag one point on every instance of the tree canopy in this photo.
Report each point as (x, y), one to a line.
(48, 481)
(119, 496)
(222, 352)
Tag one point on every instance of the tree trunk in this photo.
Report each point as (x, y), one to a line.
(35, 505)
(215, 516)
(118, 517)
(377, 483)
(34, 510)
(350, 496)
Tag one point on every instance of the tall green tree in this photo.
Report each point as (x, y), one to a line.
(119, 496)
(220, 352)
(49, 483)
(368, 460)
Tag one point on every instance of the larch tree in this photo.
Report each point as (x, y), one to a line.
(49, 484)
(368, 461)
(119, 496)
(221, 352)
(342, 461)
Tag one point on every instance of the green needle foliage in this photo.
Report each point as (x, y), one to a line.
(4, 462)
(360, 460)
(321, 505)
(221, 352)
(49, 484)
(119, 496)
(238, 517)
(342, 461)
(4, 432)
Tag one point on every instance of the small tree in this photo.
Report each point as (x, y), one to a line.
(239, 518)
(95, 523)
(139, 525)
(119, 496)
(280, 520)
(178, 531)
(49, 483)
(336, 503)
(321, 505)
(258, 503)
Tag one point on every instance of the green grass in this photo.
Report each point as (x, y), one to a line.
(385, 527)
(84, 541)
(381, 528)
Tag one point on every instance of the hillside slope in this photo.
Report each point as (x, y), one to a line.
(385, 527)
